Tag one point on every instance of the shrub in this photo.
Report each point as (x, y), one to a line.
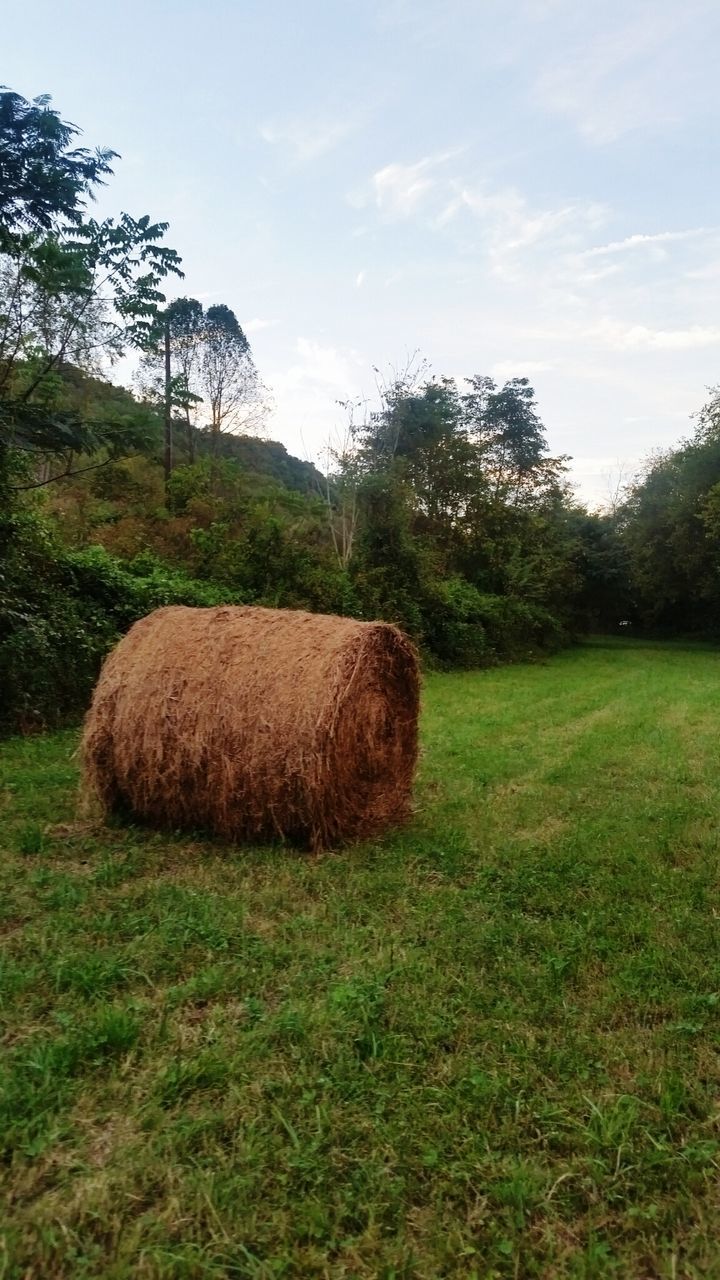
(61, 611)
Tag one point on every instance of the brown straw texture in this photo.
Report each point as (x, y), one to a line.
(256, 723)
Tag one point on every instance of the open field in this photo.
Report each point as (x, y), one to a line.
(485, 1047)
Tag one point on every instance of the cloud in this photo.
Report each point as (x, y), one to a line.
(592, 277)
(503, 370)
(317, 374)
(255, 325)
(629, 67)
(508, 223)
(600, 480)
(319, 365)
(642, 241)
(399, 190)
(359, 279)
(308, 138)
(511, 226)
(709, 271)
(308, 390)
(639, 337)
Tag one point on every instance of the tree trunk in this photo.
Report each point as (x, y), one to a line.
(190, 437)
(168, 460)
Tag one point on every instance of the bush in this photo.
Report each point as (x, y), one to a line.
(518, 629)
(454, 625)
(62, 610)
(464, 627)
(60, 613)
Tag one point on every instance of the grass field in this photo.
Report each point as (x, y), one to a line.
(485, 1047)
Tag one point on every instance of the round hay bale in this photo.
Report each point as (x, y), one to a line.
(256, 723)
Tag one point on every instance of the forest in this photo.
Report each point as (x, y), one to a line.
(441, 506)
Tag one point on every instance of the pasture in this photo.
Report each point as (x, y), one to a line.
(487, 1046)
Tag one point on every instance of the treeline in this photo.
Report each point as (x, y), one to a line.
(668, 530)
(444, 513)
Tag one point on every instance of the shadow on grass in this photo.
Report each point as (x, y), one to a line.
(653, 644)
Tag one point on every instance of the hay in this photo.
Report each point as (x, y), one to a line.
(256, 723)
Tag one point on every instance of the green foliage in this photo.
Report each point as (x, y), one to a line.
(475, 577)
(60, 611)
(267, 458)
(603, 596)
(43, 176)
(466, 628)
(464, 537)
(72, 289)
(670, 528)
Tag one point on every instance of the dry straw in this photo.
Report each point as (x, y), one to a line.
(256, 723)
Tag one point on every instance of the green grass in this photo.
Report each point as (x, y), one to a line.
(488, 1046)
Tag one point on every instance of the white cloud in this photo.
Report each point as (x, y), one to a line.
(601, 480)
(642, 241)
(508, 223)
(255, 325)
(630, 66)
(399, 190)
(503, 370)
(308, 390)
(511, 226)
(592, 277)
(709, 271)
(319, 365)
(639, 337)
(307, 139)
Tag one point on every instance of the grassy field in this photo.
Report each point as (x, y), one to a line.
(485, 1047)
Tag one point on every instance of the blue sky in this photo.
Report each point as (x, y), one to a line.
(512, 187)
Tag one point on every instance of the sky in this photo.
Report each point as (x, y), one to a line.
(519, 188)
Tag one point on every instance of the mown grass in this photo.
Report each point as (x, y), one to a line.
(485, 1047)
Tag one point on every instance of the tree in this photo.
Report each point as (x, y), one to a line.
(71, 289)
(170, 369)
(230, 381)
(197, 357)
(505, 428)
(43, 178)
(670, 527)
(185, 327)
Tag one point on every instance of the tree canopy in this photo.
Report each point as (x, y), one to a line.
(72, 289)
(45, 181)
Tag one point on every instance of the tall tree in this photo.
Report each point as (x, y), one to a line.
(185, 322)
(504, 426)
(170, 369)
(230, 382)
(670, 526)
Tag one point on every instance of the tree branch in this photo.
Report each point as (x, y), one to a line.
(62, 475)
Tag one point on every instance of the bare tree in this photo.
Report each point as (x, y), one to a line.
(617, 481)
(235, 396)
(340, 488)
